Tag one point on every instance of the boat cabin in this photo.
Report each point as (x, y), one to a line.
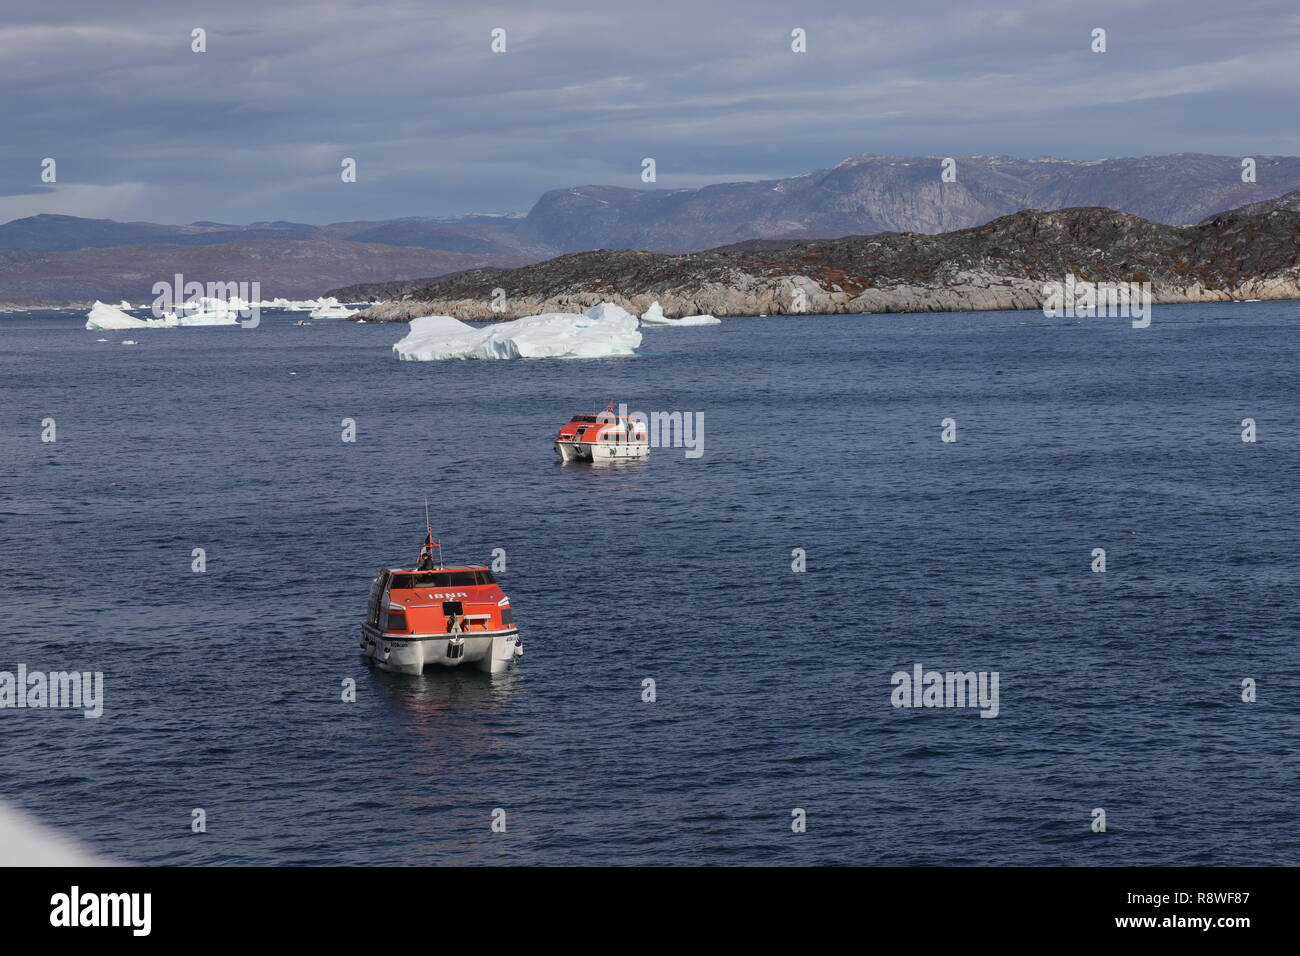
(462, 600)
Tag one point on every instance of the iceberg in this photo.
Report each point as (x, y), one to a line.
(209, 311)
(653, 314)
(654, 317)
(602, 331)
(684, 320)
(608, 310)
(105, 318)
(330, 308)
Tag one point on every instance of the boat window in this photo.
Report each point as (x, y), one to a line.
(435, 579)
(584, 418)
(459, 579)
(484, 577)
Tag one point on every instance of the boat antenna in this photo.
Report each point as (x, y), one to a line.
(430, 546)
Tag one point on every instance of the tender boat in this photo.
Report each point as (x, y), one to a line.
(433, 614)
(603, 437)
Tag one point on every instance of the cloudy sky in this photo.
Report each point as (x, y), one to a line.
(141, 127)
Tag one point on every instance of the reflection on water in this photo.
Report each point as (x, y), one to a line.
(452, 708)
(451, 727)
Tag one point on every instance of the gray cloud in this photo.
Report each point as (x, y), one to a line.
(255, 128)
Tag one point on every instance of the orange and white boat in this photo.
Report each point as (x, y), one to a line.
(603, 437)
(433, 614)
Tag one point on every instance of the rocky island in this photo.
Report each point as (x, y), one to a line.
(1252, 252)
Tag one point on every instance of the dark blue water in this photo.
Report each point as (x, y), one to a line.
(1119, 691)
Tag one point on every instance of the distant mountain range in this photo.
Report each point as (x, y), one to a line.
(1248, 253)
(473, 235)
(49, 258)
(293, 268)
(870, 194)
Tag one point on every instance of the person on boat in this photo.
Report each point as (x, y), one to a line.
(426, 553)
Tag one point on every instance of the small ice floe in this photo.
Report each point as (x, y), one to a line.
(654, 317)
(209, 311)
(130, 342)
(101, 340)
(602, 331)
(326, 307)
(330, 308)
(684, 321)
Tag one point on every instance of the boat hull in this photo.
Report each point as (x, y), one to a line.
(599, 452)
(490, 651)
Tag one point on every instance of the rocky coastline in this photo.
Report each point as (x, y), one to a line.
(1250, 253)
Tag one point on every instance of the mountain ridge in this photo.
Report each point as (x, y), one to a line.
(864, 194)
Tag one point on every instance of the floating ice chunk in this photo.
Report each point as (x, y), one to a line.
(550, 335)
(330, 308)
(105, 318)
(208, 318)
(665, 322)
(436, 337)
(654, 316)
(210, 311)
(130, 342)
